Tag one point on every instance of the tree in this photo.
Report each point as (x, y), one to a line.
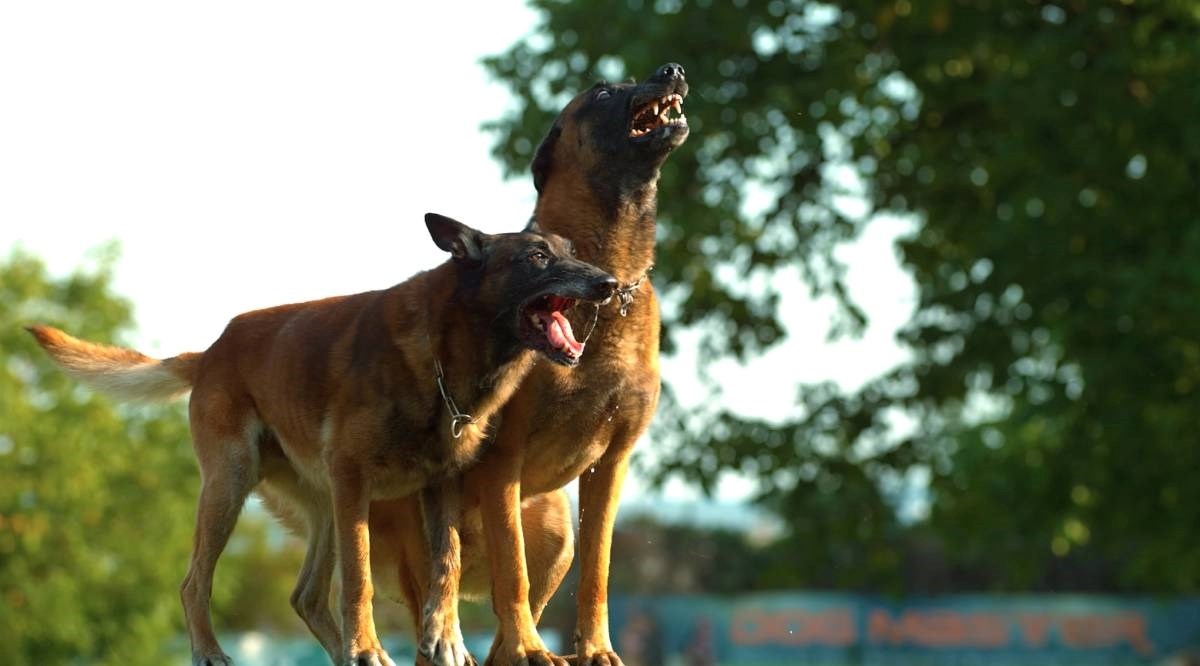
(1049, 153)
(95, 505)
(97, 502)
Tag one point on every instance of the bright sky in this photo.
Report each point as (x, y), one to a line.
(247, 154)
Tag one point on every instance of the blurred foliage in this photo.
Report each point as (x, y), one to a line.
(1050, 155)
(665, 558)
(97, 503)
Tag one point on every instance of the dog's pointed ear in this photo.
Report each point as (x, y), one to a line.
(461, 241)
(544, 157)
(533, 227)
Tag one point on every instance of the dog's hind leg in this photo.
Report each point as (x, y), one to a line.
(228, 471)
(404, 547)
(310, 599)
(549, 545)
(306, 511)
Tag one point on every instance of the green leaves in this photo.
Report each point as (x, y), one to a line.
(1051, 155)
(94, 504)
(97, 502)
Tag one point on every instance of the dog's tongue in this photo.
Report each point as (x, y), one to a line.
(558, 331)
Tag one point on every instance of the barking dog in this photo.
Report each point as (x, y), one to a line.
(337, 402)
(596, 174)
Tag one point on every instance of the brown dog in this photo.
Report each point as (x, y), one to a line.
(596, 174)
(341, 401)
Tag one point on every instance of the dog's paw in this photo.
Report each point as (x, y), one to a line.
(600, 658)
(442, 651)
(541, 658)
(370, 657)
(533, 653)
(215, 659)
(442, 642)
(527, 658)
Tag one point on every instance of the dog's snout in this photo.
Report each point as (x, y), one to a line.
(671, 70)
(603, 288)
(608, 286)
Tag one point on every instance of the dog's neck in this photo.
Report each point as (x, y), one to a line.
(612, 227)
(482, 365)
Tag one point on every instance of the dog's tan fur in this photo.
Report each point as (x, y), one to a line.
(332, 404)
(121, 373)
(560, 426)
(516, 537)
(583, 425)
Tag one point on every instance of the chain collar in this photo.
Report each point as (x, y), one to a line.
(625, 294)
(624, 298)
(458, 420)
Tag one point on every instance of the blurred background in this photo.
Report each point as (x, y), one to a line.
(928, 270)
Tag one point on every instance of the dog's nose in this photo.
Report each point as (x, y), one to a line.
(608, 287)
(671, 70)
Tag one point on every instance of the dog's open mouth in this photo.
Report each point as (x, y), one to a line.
(656, 114)
(544, 327)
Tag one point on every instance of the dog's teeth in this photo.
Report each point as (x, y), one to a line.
(656, 108)
(677, 105)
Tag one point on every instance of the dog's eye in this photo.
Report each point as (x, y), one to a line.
(538, 256)
(602, 94)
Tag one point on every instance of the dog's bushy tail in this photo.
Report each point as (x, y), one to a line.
(123, 374)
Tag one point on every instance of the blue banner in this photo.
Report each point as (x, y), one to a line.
(777, 629)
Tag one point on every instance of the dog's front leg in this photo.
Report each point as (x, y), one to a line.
(599, 495)
(498, 479)
(441, 636)
(351, 506)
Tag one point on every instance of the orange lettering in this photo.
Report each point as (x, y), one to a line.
(1035, 628)
(751, 626)
(834, 627)
(881, 628)
(987, 630)
(1132, 626)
